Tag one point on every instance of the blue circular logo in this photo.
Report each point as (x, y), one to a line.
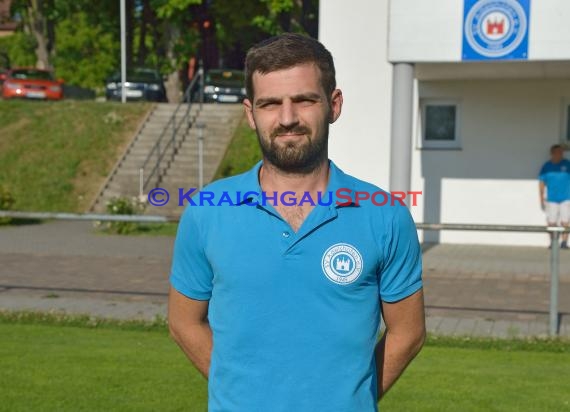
(342, 263)
(495, 28)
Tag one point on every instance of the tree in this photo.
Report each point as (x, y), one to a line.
(38, 22)
(85, 53)
(237, 31)
(162, 34)
(289, 15)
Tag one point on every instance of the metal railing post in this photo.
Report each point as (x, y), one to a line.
(200, 127)
(156, 172)
(173, 139)
(201, 91)
(157, 166)
(554, 272)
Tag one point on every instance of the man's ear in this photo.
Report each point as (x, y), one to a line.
(336, 105)
(248, 108)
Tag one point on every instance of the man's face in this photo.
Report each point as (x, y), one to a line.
(290, 113)
(557, 154)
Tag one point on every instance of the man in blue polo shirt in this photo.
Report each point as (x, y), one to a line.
(278, 303)
(554, 176)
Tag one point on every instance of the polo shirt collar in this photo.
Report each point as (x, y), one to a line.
(338, 180)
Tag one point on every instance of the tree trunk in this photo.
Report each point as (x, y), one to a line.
(130, 31)
(173, 84)
(146, 19)
(310, 17)
(38, 28)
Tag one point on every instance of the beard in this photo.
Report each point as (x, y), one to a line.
(301, 157)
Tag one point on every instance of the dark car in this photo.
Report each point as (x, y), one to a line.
(224, 86)
(141, 84)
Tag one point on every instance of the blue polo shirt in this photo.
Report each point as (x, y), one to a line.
(295, 316)
(556, 177)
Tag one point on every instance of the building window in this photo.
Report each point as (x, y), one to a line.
(439, 124)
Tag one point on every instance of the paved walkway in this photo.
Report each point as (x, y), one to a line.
(470, 290)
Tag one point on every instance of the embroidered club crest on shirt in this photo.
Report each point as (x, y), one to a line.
(342, 263)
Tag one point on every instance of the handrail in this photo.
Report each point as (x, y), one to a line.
(159, 149)
(119, 162)
(554, 231)
(491, 228)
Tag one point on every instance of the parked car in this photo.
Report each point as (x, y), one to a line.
(224, 86)
(142, 84)
(31, 83)
(3, 74)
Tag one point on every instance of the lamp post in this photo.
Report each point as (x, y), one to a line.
(123, 51)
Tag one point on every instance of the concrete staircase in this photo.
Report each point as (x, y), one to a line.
(220, 123)
(179, 168)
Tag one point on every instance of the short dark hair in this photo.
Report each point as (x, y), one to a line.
(554, 147)
(285, 51)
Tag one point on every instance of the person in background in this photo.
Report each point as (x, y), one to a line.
(554, 178)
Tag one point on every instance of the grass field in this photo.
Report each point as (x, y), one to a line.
(243, 152)
(79, 365)
(55, 155)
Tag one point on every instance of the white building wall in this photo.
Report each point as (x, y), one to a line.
(356, 34)
(422, 31)
(506, 128)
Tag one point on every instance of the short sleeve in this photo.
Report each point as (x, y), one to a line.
(542, 173)
(191, 273)
(401, 269)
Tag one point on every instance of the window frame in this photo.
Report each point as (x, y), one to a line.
(454, 144)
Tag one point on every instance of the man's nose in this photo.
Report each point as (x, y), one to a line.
(288, 115)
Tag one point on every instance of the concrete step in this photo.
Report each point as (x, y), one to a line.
(146, 147)
(206, 144)
(220, 120)
(130, 170)
(172, 108)
(114, 193)
(166, 114)
(192, 158)
(191, 164)
(128, 178)
(178, 178)
(212, 141)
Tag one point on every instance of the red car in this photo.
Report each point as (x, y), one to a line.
(32, 84)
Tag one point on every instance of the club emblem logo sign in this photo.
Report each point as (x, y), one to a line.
(495, 29)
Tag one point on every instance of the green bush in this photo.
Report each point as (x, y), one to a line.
(20, 49)
(6, 203)
(122, 206)
(86, 54)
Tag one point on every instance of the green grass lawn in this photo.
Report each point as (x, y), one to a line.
(78, 365)
(242, 153)
(55, 155)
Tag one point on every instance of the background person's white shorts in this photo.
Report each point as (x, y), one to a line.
(558, 212)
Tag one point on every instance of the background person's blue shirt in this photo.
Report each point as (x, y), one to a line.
(556, 177)
(287, 336)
